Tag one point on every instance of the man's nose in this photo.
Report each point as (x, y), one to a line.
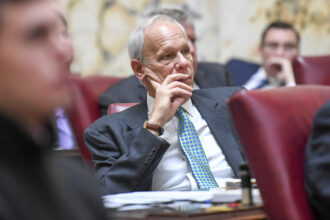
(63, 49)
(279, 51)
(182, 62)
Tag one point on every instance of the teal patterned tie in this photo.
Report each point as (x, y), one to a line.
(194, 152)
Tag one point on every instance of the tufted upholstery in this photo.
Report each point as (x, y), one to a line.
(312, 70)
(86, 93)
(274, 126)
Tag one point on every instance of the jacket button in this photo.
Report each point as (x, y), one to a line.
(146, 161)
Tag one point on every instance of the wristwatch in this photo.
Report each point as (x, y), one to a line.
(154, 127)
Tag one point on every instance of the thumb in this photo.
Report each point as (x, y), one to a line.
(154, 83)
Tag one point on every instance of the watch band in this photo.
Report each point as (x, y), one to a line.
(154, 127)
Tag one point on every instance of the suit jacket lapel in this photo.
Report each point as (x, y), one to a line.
(217, 116)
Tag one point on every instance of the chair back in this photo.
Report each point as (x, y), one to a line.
(118, 107)
(86, 110)
(274, 126)
(312, 70)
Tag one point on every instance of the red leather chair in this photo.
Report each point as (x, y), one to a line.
(118, 107)
(86, 93)
(312, 70)
(274, 126)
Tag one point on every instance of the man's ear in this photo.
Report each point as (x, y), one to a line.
(138, 69)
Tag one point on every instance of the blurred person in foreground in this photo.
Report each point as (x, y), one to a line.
(207, 75)
(177, 138)
(279, 47)
(65, 138)
(317, 164)
(34, 65)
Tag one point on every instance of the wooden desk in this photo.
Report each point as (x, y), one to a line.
(241, 213)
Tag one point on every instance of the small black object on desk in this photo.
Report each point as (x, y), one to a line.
(247, 199)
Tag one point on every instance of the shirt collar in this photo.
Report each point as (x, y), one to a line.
(196, 86)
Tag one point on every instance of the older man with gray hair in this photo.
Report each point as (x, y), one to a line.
(207, 75)
(177, 139)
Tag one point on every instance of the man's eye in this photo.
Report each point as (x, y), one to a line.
(167, 56)
(272, 45)
(186, 51)
(290, 46)
(37, 34)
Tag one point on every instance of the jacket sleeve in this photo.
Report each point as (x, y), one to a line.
(124, 159)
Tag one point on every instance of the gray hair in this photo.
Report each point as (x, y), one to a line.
(136, 39)
(184, 18)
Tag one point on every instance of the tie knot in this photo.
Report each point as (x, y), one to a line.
(179, 113)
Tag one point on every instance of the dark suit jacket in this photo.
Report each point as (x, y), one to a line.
(125, 154)
(37, 184)
(208, 75)
(317, 164)
(242, 70)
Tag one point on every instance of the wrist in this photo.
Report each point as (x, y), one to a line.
(157, 119)
(153, 128)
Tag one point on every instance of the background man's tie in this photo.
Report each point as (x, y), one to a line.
(194, 152)
(262, 83)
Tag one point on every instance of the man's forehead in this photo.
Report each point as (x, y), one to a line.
(162, 30)
(280, 34)
(28, 14)
(163, 27)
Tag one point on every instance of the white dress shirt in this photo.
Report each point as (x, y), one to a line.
(173, 172)
(258, 77)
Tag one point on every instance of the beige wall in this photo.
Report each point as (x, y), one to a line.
(225, 28)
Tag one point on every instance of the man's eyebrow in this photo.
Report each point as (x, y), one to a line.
(61, 16)
(37, 29)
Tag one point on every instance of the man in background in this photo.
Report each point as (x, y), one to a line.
(207, 75)
(279, 47)
(34, 65)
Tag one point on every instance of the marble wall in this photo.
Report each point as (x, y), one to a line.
(225, 29)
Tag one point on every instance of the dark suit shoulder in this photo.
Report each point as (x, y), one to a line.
(125, 91)
(324, 110)
(212, 67)
(215, 93)
(210, 64)
(129, 81)
(118, 88)
(211, 75)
